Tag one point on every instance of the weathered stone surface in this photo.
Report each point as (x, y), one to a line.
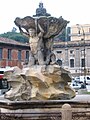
(41, 83)
(52, 26)
(20, 87)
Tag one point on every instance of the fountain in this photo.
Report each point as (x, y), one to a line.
(42, 78)
(41, 86)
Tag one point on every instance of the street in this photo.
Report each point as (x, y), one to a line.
(88, 88)
(83, 97)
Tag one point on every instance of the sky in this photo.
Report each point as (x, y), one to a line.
(75, 11)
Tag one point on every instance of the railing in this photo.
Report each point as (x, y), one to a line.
(45, 110)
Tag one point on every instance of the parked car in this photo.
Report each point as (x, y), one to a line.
(75, 85)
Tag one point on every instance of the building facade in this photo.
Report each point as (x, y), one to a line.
(73, 57)
(13, 53)
(78, 30)
(75, 54)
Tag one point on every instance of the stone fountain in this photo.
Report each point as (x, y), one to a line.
(42, 78)
(42, 84)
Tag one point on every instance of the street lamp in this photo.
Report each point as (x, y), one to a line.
(80, 27)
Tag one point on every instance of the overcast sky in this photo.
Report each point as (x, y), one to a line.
(75, 11)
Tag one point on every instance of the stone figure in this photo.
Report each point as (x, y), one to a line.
(41, 11)
(36, 45)
(41, 32)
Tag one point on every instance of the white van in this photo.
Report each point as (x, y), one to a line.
(83, 79)
(77, 79)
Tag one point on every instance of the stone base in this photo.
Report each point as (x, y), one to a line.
(40, 82)
(39, 110)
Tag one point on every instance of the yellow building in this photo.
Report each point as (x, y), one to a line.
(77, 32)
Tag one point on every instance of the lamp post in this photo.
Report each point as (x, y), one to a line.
(80, 28)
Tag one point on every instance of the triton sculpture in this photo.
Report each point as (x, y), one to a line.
(42, 78)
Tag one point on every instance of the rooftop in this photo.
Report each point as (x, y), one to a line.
(11, 42)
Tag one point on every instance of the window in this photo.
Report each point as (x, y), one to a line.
(71, 51)
(83, 62)
(3, 84)
(71, 62)
(27, 55)
(0, 53)
(82, 52)
(19, 54)
(9, 54)
(59, 51)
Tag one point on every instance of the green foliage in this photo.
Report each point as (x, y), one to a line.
(15, 36)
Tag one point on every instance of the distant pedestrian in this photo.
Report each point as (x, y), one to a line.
(83, 86)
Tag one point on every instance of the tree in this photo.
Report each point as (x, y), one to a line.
(15, 36)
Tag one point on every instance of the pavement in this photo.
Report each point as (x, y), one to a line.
(82, 97)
